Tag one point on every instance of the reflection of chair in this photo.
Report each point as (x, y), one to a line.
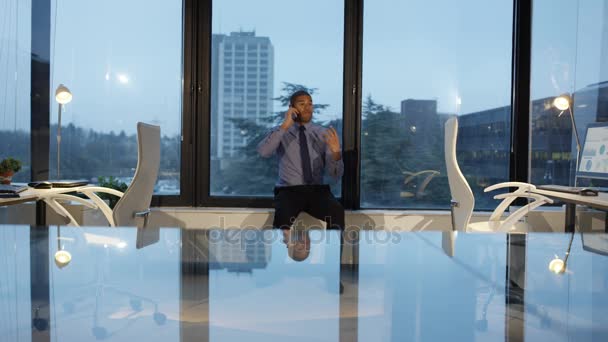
(463, 200)
(135, 202)
(409, 176)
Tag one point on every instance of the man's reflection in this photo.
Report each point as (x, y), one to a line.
(297, 242)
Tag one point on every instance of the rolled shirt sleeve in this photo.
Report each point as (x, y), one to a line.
(271, 142)
(333, 168)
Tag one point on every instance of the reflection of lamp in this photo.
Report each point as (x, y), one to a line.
(563, 103)
(62, 257)
(63, 96)
(557, 265)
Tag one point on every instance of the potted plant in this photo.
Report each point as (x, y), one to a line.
(8, 167)
(112, 183)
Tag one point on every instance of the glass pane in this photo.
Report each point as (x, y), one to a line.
(15, 84)
(566, 306)
(122, 67)
(249, 267)
(422, 66)
(111, 288)
(15, 284)
(404, 292)
(260, 55)
(569, 57)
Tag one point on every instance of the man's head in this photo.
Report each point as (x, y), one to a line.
(302, 101)
(297, 242)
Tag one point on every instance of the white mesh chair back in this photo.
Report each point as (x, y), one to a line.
(133, 208)
(463, 200)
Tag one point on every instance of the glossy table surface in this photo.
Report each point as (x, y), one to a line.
(169, 284)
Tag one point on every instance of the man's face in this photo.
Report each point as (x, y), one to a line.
(303, 104)
(297, 243)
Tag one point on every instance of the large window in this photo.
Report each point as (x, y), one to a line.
(261, 53)
(423, 62)
(224, 71)
(569, 56)
(122, 61)
(15, 83)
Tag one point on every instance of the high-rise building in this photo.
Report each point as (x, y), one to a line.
(242, 87)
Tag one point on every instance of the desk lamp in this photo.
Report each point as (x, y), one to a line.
(563, 103)
(62, 96)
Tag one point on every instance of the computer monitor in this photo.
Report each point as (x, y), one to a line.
(594, 158)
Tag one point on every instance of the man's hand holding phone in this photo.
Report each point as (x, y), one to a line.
(291, 116)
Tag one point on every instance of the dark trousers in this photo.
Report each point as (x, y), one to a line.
(316, 200)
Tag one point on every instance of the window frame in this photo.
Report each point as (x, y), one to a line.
(196, 109)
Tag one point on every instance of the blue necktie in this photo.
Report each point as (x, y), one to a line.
(305, 157)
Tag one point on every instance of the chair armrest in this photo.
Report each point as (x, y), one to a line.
(521, 186)
(521, 212)
(145, 214)
(65, 197)
(102, 190)
(509, 197)
(90, 191)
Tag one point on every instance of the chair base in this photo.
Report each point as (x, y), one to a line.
(493, 227)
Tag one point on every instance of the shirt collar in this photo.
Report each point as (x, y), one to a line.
(296, 127)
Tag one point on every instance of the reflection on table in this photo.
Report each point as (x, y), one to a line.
(169, 284)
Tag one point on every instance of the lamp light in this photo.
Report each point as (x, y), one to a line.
(563, 103)
(62, 257)
(63, 96)
(557, 265)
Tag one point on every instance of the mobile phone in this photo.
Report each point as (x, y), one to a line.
(295, 116)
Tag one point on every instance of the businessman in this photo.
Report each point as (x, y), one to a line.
(305, 152)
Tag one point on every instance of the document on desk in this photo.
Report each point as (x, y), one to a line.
(11, 191)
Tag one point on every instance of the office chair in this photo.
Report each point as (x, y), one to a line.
(134, 204)
(463, 200)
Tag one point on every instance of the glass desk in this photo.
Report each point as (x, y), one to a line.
(125, 284)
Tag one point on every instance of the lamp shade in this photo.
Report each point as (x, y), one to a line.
(557, 266)
(562, 102)
(63, 94)
(62, 258)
